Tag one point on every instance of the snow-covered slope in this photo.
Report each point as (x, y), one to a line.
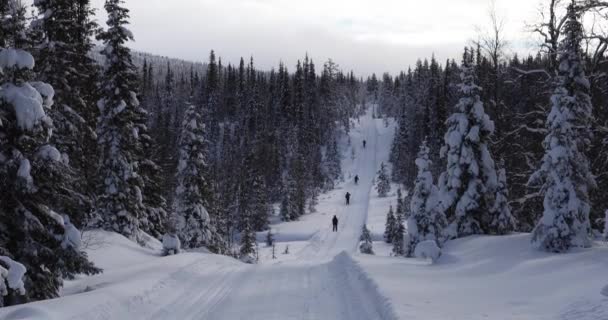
(317, 280)
(485, 277)
(324, 277)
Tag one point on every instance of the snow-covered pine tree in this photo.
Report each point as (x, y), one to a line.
(384, 184)
(468, 184)
(426, 220)
(389, 226)
(120, 202)
(503, 221)
(36, 181)
(564, 171)
(366, 245)
(192, 191)
(248, 243)
(333, 166)
(155, 204)
(63, 33)
(401, 206)
(284, 210)
(398, 240)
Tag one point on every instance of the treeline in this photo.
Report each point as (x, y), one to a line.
(516, 144)
(89, 139)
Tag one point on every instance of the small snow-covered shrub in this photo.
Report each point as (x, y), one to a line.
(248, 258)
(72, 237)
(11, 278)
(428, 249)
(171, 244)
(366, 244)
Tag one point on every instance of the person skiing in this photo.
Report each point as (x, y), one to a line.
(347, 196)
(364, 143)
(357, 179)
(335, 223)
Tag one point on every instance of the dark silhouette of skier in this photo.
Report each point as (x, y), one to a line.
(347, 196)
(335, 223)
(364, 143)
(356, 179)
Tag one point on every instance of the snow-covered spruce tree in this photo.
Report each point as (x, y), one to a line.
(401, 204)
(389, 226)
(36, 182)
(503, 221)
(154, 218)
(248, 243)
(333, 167)
(384, 184)
(426, 220)
(120, 202)
(564, 171)
(398, 239)
(284, 210)
(63, 33)
(366, 245)
(468, 184)
(192, 191)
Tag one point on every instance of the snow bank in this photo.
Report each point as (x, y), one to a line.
(495, 277)
(428, 249)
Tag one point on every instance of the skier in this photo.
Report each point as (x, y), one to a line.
(347, 196)
(357, 179)
(335, 223)
(364, 143)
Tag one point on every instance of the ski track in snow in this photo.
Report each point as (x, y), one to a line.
(322, 282)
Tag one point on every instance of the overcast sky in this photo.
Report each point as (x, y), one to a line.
(364, 35)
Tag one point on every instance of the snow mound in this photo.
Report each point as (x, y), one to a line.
(28, 313)
(428, 249)
(171, 244)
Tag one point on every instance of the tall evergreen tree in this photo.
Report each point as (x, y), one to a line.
(120, 202)
(565, 168)
(192, 192)
(384, 185)
(469, 182)
(63, 33)
(426, 220)
(503, 221)
(389, 226)
(37, 185)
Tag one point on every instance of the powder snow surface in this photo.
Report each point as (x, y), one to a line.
(324, 277)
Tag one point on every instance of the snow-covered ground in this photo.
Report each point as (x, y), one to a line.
(324, 277)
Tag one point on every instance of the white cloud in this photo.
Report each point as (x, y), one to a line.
(367, 36)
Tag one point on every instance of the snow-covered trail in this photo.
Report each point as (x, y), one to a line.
(326, 244)
(323, 282)
(318, 281)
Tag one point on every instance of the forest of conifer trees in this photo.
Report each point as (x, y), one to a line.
(211, 153)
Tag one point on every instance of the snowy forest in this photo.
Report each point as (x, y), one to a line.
(96, 136)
